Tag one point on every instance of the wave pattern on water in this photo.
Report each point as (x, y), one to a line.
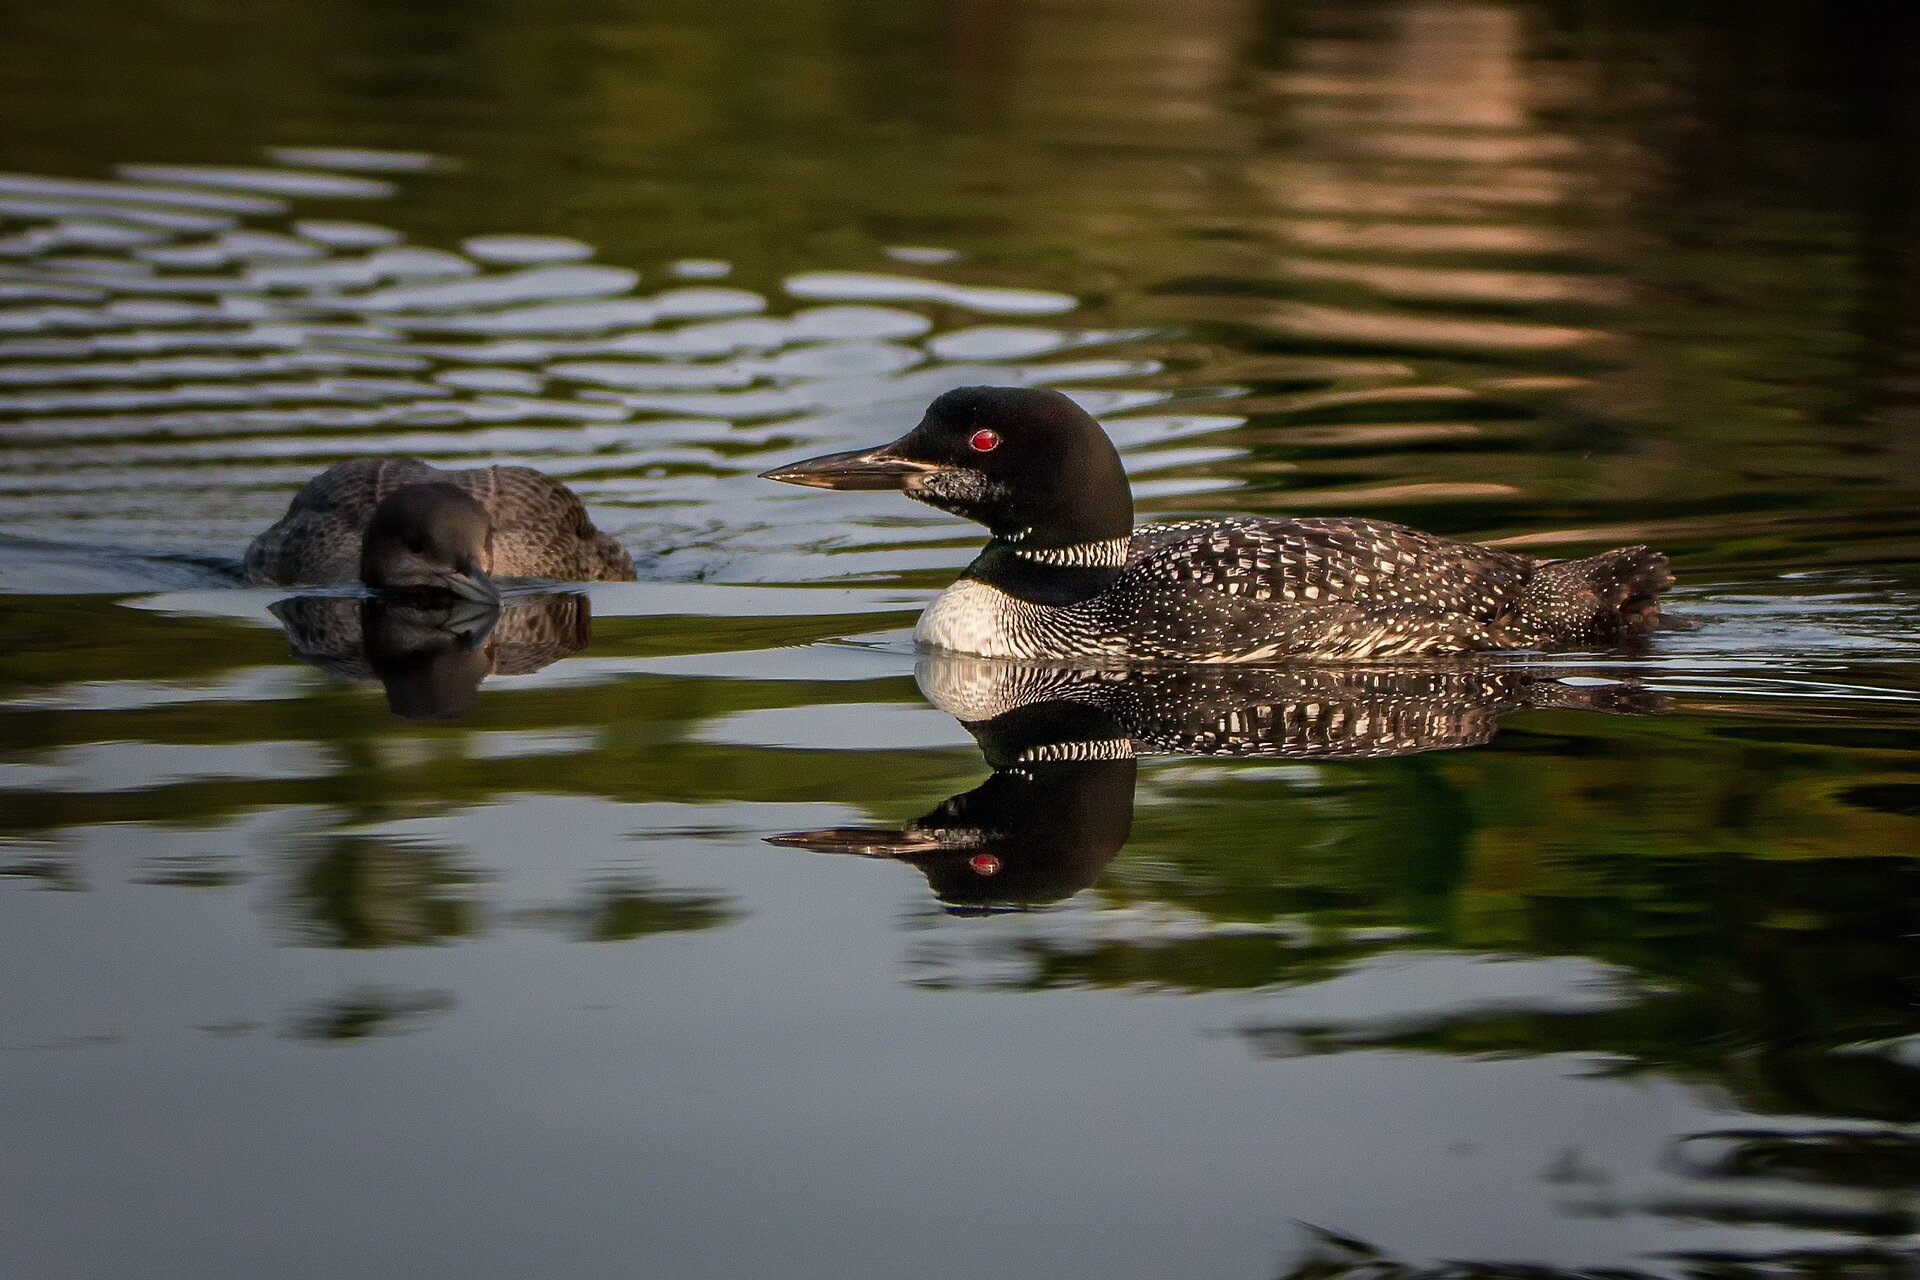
(184, 348)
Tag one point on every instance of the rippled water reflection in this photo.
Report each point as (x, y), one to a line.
(355, 939)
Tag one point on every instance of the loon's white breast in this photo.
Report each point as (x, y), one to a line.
(972, 617)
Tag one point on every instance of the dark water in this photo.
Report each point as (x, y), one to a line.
(1595, 963)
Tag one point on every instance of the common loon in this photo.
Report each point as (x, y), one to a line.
(1063, 743)
(400, 524)
(1067, 575)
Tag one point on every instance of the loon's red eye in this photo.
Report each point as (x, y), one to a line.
(985, 441)
(984, 864)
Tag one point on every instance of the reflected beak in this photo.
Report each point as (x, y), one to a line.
(471, 621)
(855, 469)
(864, 842)
(470, 582)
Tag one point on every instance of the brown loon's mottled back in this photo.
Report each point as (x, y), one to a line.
(540, 528)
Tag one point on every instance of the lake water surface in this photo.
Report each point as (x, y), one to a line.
(613, 940)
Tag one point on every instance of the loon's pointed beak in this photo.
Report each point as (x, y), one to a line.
(470, 582)
(856, 469)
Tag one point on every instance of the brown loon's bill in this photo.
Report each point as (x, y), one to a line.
(470, 582)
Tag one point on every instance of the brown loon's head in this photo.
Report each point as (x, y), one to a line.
(429, 538)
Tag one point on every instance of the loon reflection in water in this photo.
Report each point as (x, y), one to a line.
(1063, 745)
(432, 656)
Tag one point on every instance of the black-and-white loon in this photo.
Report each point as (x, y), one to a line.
(1067, 575)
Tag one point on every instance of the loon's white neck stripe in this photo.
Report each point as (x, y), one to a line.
(1111, 553)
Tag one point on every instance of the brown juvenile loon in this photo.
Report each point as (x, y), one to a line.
(400, 524)
(1066, 574)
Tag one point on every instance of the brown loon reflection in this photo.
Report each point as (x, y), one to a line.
(1063, 744)
(431, 657)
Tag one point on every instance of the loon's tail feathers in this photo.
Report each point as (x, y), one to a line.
(1604, 599)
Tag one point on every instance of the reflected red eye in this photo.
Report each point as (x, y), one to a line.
(985, 441)
(984, 863)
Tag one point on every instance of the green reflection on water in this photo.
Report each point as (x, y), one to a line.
(1746, 867)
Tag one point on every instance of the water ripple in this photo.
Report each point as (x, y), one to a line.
(183, 341)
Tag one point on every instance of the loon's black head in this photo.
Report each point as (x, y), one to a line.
(429, 538)
(1030, 464)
